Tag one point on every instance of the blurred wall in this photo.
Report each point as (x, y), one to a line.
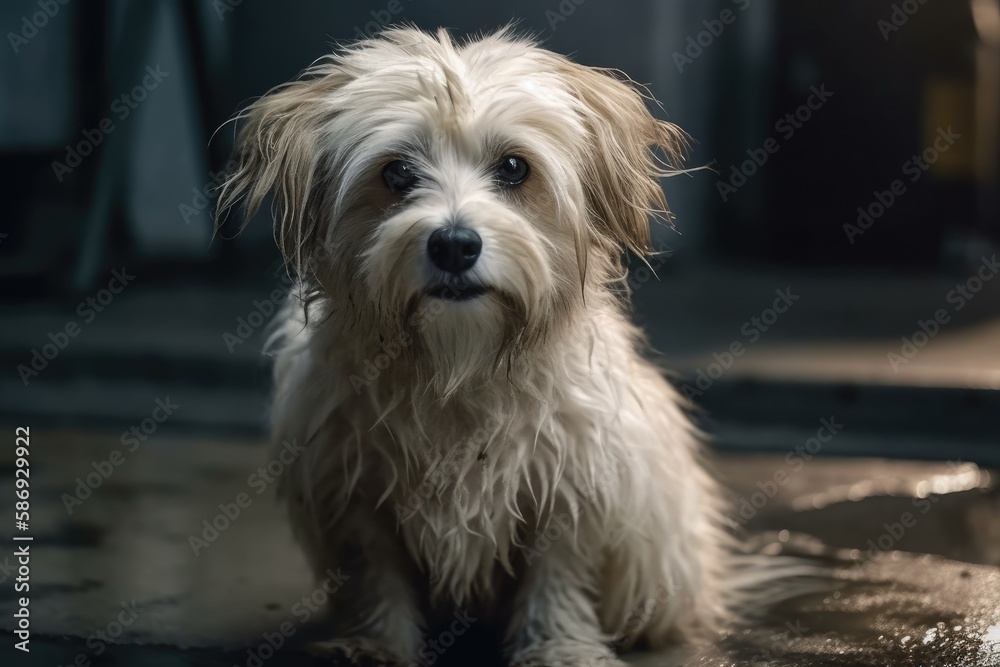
(638, 37)
(73, 66)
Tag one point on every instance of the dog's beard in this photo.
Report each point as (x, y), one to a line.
(466, 330)
(457, 344)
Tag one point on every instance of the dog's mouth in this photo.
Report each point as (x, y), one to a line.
(456, 291)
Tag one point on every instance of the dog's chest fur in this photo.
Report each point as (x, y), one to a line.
(471, 489)
(471, 482)
(585, 444)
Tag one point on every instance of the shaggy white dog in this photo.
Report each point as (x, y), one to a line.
(482, 430)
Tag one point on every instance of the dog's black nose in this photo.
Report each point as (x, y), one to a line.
(454, 249)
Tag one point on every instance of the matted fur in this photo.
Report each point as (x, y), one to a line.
(513, 453)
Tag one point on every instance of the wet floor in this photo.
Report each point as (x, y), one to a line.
(124, 571)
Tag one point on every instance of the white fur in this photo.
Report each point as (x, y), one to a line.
(513, 453)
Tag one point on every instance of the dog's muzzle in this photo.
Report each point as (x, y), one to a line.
(455, 250)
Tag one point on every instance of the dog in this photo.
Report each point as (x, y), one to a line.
(483, 430)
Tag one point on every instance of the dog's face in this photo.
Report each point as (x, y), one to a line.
(475, 193)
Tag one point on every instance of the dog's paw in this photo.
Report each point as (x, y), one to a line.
(566, 654)
(354, 652)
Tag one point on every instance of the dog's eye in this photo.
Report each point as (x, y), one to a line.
(399, 176)
(512, 170)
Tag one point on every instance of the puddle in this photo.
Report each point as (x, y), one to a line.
(915, 546)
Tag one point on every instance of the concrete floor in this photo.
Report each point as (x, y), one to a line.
(826, 354)
(932, 597)
(929, 596)
(840, 325)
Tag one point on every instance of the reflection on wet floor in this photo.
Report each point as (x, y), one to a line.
(869, 506)
(916, 546)
(958, 477)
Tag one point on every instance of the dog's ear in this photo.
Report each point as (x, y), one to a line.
(621, 165)
(278, 151)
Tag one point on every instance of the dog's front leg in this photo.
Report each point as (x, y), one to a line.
(376, 620)
(554, 622)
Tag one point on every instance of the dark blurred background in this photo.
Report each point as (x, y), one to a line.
(850, 153)
(834, 259)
